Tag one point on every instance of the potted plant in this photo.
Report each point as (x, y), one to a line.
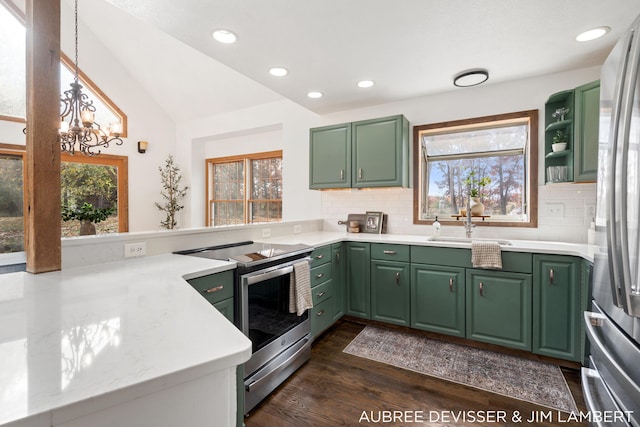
(87, 215)
(172, 193)
(559, 141)
(475, 187)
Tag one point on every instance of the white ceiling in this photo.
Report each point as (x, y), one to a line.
(409, 48)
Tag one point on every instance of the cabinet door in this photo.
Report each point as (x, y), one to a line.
(358, 277)
(380, 150)
(390, 292)
(226, 308)
(338, 263)
(556, 306)
(499, 308)
(330, 157)
(438, 299)
(587, 120)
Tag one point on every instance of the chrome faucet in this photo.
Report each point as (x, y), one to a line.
(468, 225)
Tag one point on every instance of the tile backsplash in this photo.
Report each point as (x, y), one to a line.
(564, 213)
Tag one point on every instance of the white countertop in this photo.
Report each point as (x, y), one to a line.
(116, 331)
(321, 238)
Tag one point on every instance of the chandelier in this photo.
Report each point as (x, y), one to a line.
(78, 128)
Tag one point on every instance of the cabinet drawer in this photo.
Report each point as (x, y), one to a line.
(389, 252)
(322, 292)
(214, 287)
(321, 316)
(518, 262)
(320, 256)
(320, 274)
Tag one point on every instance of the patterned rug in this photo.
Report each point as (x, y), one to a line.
(524, 379)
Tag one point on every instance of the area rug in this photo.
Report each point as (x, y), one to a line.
(511, 376)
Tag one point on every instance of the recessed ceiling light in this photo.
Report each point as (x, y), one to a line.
(278, 71)
(592, 34)
(315, 95)
(225, 36)
(471, 78)
(365, 83)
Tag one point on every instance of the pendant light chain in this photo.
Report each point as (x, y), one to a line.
(76, 40)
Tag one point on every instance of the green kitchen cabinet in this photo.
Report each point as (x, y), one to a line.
(499, 308)
(559, 124)
(586, 128)
(557, 326)
(330, 157)
(380, 150)
(338, 264)
(218, 290)
(438, 299)
(390, 292)
(367, 153)
(321, 277)
(358, 280)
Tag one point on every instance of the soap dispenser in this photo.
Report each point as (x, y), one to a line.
(436, 227)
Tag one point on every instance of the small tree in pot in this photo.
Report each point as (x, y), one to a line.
(87, 215)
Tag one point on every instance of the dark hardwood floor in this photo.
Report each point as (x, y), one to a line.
(335, 388)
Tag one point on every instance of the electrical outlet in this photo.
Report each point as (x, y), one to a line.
(590, 210)
(266, 232)
(297, 229)
(554, 209)
(135, 249)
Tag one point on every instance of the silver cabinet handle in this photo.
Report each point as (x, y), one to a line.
(551, 276)
(338, 258)
(214, 289)
(341, 174)
(389, 252)
(319, 275)
(320, 294)
(320, 313)
(398, 278)
(319, 256)
(360, 173)
(450, 284)
(481, 289)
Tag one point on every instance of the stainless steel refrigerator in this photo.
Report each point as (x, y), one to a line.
(611, 382)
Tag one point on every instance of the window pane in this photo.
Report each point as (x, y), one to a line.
(266, 212)
(11, 204)
(227, 213)
(12, 66)
(476, 141)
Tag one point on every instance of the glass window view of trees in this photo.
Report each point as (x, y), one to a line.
(11, 203)
(245, 189)
(454, 156)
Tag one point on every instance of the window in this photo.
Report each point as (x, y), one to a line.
(13, 75)
(244, 189)
(100, 180)
(452, 155)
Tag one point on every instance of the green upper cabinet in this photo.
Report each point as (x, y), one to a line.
(330, 157)
(380, 153)
(557, 326)
(368, 153)
(556, 124)
(587, 120)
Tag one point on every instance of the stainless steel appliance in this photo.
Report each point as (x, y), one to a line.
(281, 341)
(611, 382)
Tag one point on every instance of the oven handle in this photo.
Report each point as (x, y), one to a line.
(270, 274)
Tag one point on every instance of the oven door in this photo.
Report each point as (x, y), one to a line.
(265, 316)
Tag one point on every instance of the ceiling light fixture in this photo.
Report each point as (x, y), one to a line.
(81, 129)
(315, 94)
(365, 83)
(471, 78)
(278, 71)
(225, 36)
(592, 34)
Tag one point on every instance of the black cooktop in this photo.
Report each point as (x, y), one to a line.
(248, 253)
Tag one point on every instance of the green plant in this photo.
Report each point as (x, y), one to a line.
(172, 193)
(475, 185)
(86, 212)
(559, 136)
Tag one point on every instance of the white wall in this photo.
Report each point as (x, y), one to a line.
(458, 104)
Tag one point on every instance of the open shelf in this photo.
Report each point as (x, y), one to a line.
(558, 125)
(557, 154)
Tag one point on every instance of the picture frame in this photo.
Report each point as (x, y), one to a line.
(372, 222)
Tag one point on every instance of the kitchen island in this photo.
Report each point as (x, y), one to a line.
(126, 343)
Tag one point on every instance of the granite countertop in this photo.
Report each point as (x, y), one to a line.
(116, 331)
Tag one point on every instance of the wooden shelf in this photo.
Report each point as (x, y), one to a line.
(457, 217)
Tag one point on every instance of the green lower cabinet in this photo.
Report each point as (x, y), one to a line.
(226, 308)
(557, 326)
(499, 308)
(390, 292)
(358, 278)
(438, 299)
(338, 264)
(321, 316)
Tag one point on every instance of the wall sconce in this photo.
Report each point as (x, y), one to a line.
(142, 146)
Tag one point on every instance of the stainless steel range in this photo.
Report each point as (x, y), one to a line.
(281, 340)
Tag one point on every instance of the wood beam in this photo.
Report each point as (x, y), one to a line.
(42, 186)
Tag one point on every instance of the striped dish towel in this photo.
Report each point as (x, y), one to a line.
(300, 288)
(486, 254)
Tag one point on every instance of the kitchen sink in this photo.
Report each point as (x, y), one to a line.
(466, 240)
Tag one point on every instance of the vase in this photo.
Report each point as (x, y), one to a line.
(477, 208)
(87, 228)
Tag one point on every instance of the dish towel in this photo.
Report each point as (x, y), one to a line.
(300, 288)
(486, 254)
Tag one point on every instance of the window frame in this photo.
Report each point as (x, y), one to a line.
(246, 159)
(531, 166)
